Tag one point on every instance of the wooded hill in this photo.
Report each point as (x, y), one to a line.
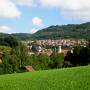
(65, 31)
(78, 31)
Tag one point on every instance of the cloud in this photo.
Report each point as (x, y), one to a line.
(50, 3)
(37, 21)
(24, 2)
(33, 30)
(5, 29)
(79, 9)
(8, 9)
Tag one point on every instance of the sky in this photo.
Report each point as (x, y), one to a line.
(29, 16)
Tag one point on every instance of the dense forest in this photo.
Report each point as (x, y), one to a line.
(19, 36)
(78, 31)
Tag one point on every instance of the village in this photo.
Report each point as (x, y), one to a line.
(58, 46)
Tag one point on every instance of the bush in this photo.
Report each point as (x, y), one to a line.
(79, 57)
(14, 61)
(57, 60)
(40, 62)
(11, 41)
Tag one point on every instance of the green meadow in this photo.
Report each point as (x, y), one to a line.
(77, 78)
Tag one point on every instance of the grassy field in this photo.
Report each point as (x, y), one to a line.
(61, 79)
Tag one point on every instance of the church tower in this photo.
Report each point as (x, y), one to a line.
(60, 49)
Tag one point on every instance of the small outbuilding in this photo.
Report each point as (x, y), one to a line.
(29, 68)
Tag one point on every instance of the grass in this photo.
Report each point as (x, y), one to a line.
(60, 79)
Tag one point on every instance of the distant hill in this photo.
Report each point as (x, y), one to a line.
(22, 36)
(78, 31)
(64, 31)
(19, 36)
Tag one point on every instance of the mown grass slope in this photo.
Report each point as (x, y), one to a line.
(61, 79)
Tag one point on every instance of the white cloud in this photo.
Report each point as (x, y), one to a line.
(8, 9)
(33, 30)
(49, 3)
(37, 21)
(24, 2)
(73, 8)
(5, 29)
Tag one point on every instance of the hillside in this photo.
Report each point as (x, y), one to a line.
(19, 36)
(61, 79)
(65, 31)
(78, 31)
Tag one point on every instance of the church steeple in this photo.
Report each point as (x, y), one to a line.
(60, 49)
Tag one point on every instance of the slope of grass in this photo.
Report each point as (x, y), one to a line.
(61, 79)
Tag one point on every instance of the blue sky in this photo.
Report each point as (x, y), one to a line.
(28, 18)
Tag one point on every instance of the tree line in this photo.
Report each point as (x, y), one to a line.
(16, 58)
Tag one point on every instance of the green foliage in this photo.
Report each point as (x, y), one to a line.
(12, 41)
(84, 55)
(21, 53)
(57, 60)
(44, 62)
(9, 41)
(80, 56)
(5, 49)
(60, 79)
(78, 31)
(7, 66)
(2, 42)
(19, 36)
(40, 62)
(15, 60)
(15, 55)
(22, 36)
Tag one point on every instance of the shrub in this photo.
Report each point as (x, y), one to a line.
(57, 60)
